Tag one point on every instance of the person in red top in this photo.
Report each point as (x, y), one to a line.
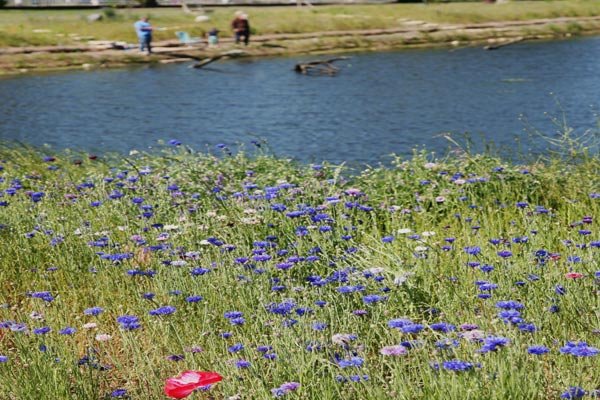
(241, 27)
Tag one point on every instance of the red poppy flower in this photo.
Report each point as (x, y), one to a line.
(573, 275)
(188, 381)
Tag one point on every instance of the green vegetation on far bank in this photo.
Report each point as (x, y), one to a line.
(64, 27)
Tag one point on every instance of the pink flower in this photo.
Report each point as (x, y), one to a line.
(394, 350)
(188, 381)
(573, 275)
(353, 192)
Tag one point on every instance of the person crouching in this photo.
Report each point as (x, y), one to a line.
(241, 27)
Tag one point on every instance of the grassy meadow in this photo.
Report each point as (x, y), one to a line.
(54, 27)
(464, 277)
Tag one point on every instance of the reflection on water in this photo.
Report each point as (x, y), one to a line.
(380, 103)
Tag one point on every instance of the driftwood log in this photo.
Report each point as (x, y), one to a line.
(227, 54)
(502, 44)
(319, 67)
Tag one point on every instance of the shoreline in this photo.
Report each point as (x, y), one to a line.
(419, 34)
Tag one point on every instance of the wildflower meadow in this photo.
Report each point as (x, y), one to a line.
(230, 275)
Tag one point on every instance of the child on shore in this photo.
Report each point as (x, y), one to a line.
(213, 37)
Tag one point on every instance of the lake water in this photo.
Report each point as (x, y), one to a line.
(380, 103)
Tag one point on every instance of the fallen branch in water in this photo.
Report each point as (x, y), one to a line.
(319, 67)
(227, 54)
(181, 55)
(508, 43)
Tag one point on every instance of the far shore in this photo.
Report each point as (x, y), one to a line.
(36, 53)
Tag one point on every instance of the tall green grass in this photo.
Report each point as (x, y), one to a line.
(52, 245)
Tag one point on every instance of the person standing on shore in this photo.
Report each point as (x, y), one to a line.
(241, 27)
(144, 33)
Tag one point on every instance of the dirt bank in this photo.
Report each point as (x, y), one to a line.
(14, 60)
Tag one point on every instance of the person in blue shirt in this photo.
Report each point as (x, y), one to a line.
(144, 33)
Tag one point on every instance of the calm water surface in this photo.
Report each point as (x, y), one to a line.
(381, 103)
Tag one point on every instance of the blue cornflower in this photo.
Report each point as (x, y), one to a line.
(261, 257)
(509, 305)
(488, 286)
(560, 290)
(350, 289)
(373, 298)
(387, 239)
(175, 357)
(67, 331)
(493, 343)
(486, 268)
(284, 265)
(278, 207)
(243, 364)
(235, 348)
(472, 250)
(3, 359)
(538, 350)
(510, 316)
(199, 271)
(233, 314)
(283, 308)
(294, 214)
(93, 311)
(580, 349)
(164, 310)
(447, 343)
(42, 331)
(319, 326)
(574, 392)
(412, 328)
(46, 296)
(37, 196)
(128, 322)
(18, 327)
(264, 349)
(285, 388)
(527, 327)
(457, 365)
(399, 323)
(118, 393)
(352, 362)
(193, 299)
(504, 253)
(442, 327)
